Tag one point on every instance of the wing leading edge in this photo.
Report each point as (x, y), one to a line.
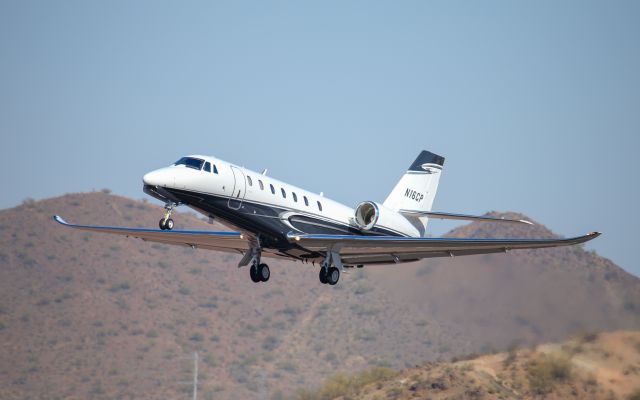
(390, 249)
(222, 241)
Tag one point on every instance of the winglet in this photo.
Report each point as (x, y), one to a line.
(59, 220)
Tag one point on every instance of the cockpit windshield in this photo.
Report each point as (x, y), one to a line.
(190, 162)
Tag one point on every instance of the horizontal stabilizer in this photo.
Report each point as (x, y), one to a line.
(444, 215)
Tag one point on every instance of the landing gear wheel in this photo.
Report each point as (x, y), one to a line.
(161, 224)
(333, 275)
(263, 272)
(168, 224)
(323, 275)
(254, 274)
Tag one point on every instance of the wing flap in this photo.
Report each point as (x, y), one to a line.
(224, 241)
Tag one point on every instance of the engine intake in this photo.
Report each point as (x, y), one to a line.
(367, 214)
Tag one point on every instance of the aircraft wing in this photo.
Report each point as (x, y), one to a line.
(222, 241)
(356, 250)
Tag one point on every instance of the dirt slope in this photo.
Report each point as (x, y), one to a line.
(590, 366)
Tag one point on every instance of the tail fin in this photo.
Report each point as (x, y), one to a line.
(417, 188)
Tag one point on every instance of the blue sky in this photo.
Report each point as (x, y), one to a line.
(535, 105)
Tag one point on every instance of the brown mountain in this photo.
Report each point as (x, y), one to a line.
(96, 316)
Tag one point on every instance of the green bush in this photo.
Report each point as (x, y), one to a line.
(344, 385)
(547, 370)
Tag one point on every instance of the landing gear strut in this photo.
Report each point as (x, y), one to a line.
(166, 223)
(259, 272)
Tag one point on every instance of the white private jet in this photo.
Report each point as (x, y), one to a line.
(275, 219)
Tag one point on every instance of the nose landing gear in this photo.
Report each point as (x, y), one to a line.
(166, 223)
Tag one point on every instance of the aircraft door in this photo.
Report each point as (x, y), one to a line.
(239, 189)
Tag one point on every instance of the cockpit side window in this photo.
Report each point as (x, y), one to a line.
(215, 170)
(190, 162)
(207, 166)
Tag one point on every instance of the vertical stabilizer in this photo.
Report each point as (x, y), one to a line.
(417, 188)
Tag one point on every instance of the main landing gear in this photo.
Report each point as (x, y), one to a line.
(330, 274)
(166, 223)
(259, 272)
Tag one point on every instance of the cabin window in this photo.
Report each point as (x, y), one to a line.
(306, 201)
(249, 180)
(207, 166)
(319, 206)
(273, 190)
(295, 197)
(261, 185)
(215, 170)
(190, 162)
(284, 194)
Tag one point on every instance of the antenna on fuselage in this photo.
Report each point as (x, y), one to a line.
(264, 171)
(321, 194)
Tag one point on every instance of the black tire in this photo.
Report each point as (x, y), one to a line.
(253, 272)
(323, 275)
(333, 276)
(168, 225)
(161, 224)
(263, 272)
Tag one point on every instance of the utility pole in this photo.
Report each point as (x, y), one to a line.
(194, 382)
(195, 375)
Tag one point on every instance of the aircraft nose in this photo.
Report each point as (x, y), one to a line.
(158, 177)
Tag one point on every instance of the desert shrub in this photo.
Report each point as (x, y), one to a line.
(546, 370)
(116, 287)
(106, 191)
(366, 336)
(635, 395)
(184, 290)
(152, 334)
(42, 302)
(122, 304)
(588, 337)
(512, 353)
(29, 202)
(196, 337)
(345, 385)
(270, 343)
(287, 366)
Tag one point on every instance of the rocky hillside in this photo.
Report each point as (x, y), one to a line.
(589, 366)
(86, 315)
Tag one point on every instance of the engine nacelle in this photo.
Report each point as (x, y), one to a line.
(370, 215)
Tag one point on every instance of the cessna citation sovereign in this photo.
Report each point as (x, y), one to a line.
(275, 219)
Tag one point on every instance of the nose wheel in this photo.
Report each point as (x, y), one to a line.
(166, 223)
